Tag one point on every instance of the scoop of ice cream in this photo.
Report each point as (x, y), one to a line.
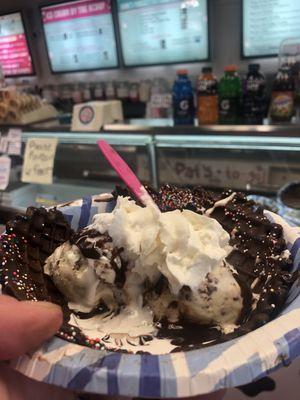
(87, 270)
(218, 300)
(186, 248)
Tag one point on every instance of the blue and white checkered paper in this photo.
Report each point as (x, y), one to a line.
(183, 374)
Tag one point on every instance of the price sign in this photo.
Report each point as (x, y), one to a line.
(39, 160)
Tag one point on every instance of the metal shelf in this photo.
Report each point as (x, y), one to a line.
(270, 143)
(166, 127)
(92, 138)
(273, 143)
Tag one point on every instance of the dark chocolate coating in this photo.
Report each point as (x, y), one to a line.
(28, 241)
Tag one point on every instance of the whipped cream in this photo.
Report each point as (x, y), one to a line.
(181, 245)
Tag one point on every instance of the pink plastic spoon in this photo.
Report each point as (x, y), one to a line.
(126, 174)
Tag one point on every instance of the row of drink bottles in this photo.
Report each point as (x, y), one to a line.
(79, 93)
(233, 100)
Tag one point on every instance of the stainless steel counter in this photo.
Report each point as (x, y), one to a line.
(166, 126)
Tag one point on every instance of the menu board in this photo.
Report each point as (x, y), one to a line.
(80, 35)
(15, 57)
(266, 23)
(163, 31)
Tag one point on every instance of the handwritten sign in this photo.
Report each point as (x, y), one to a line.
(225, 173)
(5, 164)
(210, 173)
(14, 138)
(39, 160)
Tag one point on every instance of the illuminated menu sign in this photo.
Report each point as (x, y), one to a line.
(15, 56)
(266, 23)
(80, 35)
(163, 31)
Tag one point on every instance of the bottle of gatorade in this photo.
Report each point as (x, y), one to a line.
(254, 104)
(282, 101)
(183, 99)
(230, 95)
(207, 89)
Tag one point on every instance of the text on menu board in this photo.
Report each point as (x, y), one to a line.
(80, 10)
(15, 57)
(39, 160)
(80, 35)
(155, 31)
(266, 23)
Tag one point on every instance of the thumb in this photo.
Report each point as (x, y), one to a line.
(24, 325)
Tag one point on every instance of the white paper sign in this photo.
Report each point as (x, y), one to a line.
(39, 160)
(5, 164)
(14, 138)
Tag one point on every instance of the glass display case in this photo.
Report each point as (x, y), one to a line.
(257, 159)
(79, 168)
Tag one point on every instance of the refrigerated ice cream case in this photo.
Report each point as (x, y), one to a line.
(262, 161)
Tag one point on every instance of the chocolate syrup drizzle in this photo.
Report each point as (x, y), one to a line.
(94, 245)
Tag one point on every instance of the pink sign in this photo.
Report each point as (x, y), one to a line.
(77, 9)
(14, 55)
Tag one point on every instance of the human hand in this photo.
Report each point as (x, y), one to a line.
(24, 326)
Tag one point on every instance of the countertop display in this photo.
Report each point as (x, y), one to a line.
(257, 159)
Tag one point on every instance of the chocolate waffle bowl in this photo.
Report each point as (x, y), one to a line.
(24, 250)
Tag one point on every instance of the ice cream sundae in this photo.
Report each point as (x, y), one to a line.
(207, 268)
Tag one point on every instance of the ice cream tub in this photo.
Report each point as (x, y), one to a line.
(181, 374)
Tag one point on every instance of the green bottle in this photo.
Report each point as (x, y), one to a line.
(230, 96)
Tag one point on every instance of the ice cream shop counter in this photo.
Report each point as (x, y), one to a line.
(261, 160)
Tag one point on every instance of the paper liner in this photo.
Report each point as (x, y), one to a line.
(183, 374)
